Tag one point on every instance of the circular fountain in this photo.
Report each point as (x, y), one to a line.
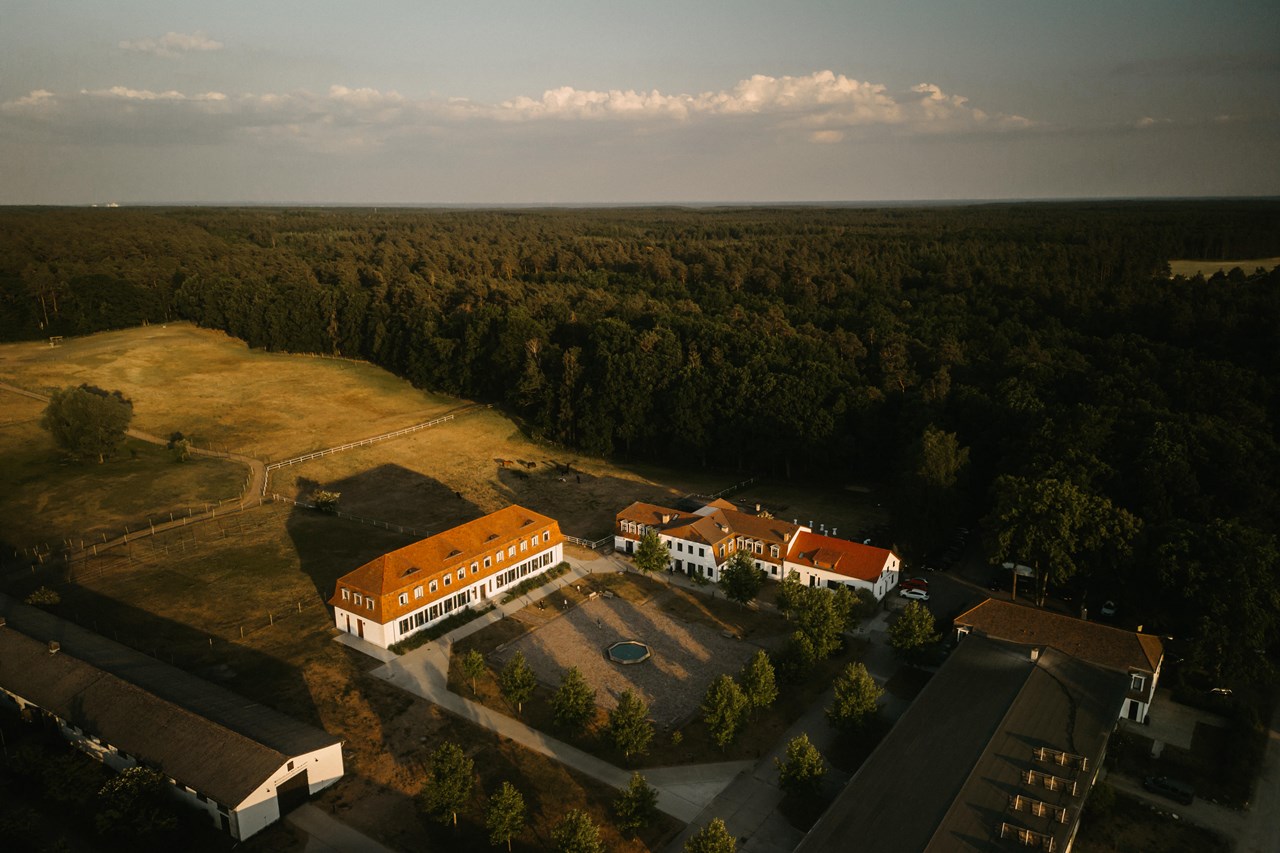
(628, 652)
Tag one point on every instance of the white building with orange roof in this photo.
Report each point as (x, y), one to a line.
(400, 593)
(701, 541)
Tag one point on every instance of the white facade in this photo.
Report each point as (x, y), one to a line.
(262, 808)
(880, 587)
(350, 618)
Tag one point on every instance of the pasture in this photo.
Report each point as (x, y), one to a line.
(1191, 268)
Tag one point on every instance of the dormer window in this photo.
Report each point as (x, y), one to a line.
(1137, 682)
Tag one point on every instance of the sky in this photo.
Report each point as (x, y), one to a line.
(419, 102)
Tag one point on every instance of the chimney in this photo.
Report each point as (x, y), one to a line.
(1035, 655)
(757, 509)
(833, 531)
(54, 647)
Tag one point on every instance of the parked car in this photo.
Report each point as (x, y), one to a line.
(923, 583)
(1173, 789)
(915, 594)
(1108, 608)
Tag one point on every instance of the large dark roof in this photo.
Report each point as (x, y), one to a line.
(942, 778)
(201, 734)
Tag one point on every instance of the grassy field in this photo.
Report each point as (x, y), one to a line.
(222, 394)
(1130, 825)
(1190, 268)
(45, 499)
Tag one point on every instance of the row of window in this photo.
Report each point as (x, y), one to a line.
(357, 599)
(512, 575)
(430, 614)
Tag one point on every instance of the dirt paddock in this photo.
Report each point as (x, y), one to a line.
(687, 656)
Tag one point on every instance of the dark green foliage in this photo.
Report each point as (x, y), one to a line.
(574, 701)
(450, 781)
(505, 817)
(723, 709)
(517, 681)
(135, 806)
(636, 806)
(759, 681)
(740, 579)
(473, 667)
(912, 630)
(44, 596)
(802, 770)
(87, 422)
(629, 727)
(856, 695)
(576, 833)
(712, 838)
(651, 554)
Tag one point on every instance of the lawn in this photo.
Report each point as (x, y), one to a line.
(46, 499)
(1128, 825)
(1190, 268)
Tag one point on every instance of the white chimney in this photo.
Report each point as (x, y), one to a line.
(1035, 655)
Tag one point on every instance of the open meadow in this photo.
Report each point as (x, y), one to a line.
(1190, 268)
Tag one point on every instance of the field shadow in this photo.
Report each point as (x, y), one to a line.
(584, 504)
(330, 546)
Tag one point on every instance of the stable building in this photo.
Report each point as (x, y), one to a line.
(401, 593)
(1138, 656)
(242, 764)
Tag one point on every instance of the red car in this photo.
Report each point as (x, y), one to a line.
(915, 583)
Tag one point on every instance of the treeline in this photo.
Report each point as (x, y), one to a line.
(1040, 340)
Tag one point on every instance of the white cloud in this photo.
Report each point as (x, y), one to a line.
(822, 107)
(172, 45)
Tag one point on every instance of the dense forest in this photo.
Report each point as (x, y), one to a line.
(985, 363)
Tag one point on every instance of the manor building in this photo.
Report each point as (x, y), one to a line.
(400, 593)
(703, 540)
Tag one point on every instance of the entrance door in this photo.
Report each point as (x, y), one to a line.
(629, 548)
(679, 565)
(360, 628)
(293, 792)
(348, 616)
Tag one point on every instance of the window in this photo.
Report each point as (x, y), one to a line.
(679, 546)
(404, 598)
(289, 766)
(475, 567)
(546, 536)
(462, 574)
(488, 561)
(368, 603)
(773, 550)
(1138, 682)
(356, 598)
(533, 543)
(524, 546)
(417, 592)
(448, 579)
(498, 556)
(511, 552)
(346, 594)
(702, 552)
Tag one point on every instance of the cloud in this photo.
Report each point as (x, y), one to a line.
(822, 108)
(172, 45)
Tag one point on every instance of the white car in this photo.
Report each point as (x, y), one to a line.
(915, 594)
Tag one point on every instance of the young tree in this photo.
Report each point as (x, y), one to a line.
(857, 695)
(651, 554)
(912, 630)
(789, 591)
(473, 667)
(324, 500)
(798, 657)
(576, 833)
(635, 806)
(449, 783)
(87, 421)
(517, 681)
(759, 681)
(574, 701)
(823, 616)
(740, 579)
(505, 816)
(629, 726)
(803, 769)
(723, 709)
(135, 805)
(712, 838)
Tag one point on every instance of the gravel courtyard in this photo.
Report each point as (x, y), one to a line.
(686, 656)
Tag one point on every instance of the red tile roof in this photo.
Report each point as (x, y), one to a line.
(1103, 645)
(840, 556)
(385, 577)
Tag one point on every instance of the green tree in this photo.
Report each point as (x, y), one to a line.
(517, 682)
(449, 783)
(912, 630)
(574, 701)
(651, 554)
(505, 816)
(87, 421)
(927, 500)
(723, 709)
(712, 838)
(1049, 524)
(789, 591)
(759, 681)
(629, 727)
(798, 657)
(636, 806)
(473, 667)
(576, 833)
(740, 579)
(802, 771)
(823, 616)
(857, 695)
(324, 500)
(135, 805)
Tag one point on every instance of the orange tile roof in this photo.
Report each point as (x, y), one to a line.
(851, 559)
(385, 577)
(1099, 644)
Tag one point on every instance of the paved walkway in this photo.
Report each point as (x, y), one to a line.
(326, 834)
(683, 792)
